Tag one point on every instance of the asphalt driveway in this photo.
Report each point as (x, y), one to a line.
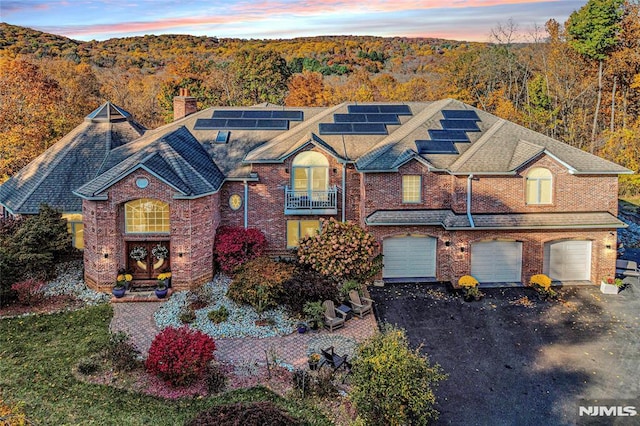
(513, 360)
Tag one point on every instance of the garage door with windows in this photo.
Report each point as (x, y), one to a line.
(409, 257)
(568, 260)
(497, 261)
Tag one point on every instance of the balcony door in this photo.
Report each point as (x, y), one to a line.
(310, 174)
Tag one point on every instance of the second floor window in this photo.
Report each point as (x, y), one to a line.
(310, 172)
(539, 184)
(411, 185)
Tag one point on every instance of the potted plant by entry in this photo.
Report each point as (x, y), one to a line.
(542, 285)
(611, 285)
(122, 284)
(162, 286)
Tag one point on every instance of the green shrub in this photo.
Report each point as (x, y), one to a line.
(40, 242)
(245, 414)
(219, 315)
(122, 353)
(347, 286)
(342, 250)
(306, 285)
(302, 381)
(89, 365)
(259, 283)
(187, 315)
(215, 378)
(393, 384)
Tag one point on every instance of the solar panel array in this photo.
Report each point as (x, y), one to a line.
(455, 126)
(227, 119)
(353, 129)
(436, 147)
(365, 120)
(379, 109)
(460, 114)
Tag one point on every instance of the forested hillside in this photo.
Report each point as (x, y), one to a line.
(577, 81)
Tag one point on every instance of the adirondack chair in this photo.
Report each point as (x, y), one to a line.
(331, 318)
(627, 268)
(360, 305)
(334, 360)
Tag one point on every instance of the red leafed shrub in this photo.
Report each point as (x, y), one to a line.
(341, 250)
(235, 246)
(29, 291)
(180, 355)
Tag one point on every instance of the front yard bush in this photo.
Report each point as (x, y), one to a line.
(234, 246)
(393, 384)
(245, 414)
(259, 283)
(29, 292)
(122, 353)
(180, 356)
(307, 285)
(341, 250)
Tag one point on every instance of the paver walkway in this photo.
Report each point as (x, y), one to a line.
(136, 319)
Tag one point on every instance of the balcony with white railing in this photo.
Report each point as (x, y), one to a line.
(311, 202)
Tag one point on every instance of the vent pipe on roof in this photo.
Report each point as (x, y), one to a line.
(184, 104)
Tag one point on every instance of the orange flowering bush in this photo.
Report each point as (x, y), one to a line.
(342, 250)
(467, 281)
(540, 280)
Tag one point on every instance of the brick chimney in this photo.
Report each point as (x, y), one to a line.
(184, 105)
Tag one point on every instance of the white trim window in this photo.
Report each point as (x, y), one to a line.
(297, 229)
(411, 189)
(539, 186)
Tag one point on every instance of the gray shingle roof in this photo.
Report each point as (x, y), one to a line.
(73, 160)
(176, 157)
(451, 221)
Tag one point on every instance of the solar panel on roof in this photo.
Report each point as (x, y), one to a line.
(223, 113)
(288, 115)
(448, 135)
(272, 125)
(366, 118)
(363, 109)
(353, 129)
(210, 123)
(460, 114)
(436, 147)
(260, 114)
(395, 109)
(240, 123)
(466, 125)
(369, 129)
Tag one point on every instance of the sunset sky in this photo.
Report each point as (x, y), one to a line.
(450, 19)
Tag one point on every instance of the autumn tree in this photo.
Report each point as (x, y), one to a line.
(306, 89)
(261, 75)
(593, 32)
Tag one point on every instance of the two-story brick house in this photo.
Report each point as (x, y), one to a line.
(447, 190)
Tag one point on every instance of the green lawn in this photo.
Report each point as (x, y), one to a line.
(36, 357)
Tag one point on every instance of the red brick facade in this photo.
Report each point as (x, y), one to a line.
(194, 222)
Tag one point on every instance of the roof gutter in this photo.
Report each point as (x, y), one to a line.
(628, 172)
(469, 186)
(516, 228)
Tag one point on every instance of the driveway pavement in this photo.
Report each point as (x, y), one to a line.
(516, 361)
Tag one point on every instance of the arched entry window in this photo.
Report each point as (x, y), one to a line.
(146, 216)
(310, 172)
(539, 184)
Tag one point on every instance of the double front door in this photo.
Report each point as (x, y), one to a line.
(147, 259)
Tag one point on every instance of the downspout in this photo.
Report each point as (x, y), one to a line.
(246, 204)
(344, 190)
(469, 179)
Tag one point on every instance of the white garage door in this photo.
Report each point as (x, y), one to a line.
(409, 257)
(568, 260)
(497, 261)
